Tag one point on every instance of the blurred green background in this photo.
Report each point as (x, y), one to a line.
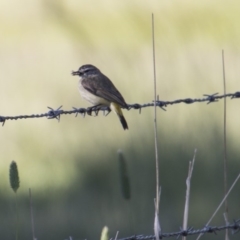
(72, 166)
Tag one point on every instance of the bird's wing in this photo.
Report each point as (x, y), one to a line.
(104, 89)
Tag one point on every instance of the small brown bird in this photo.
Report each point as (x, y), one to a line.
(98, 89)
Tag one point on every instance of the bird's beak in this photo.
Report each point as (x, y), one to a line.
(74, 73)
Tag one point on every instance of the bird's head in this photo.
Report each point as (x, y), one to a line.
(85, 70)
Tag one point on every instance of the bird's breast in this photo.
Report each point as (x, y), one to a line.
(93, 99)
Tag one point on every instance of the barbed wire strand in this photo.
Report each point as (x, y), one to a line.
(55, 114)
(235, 227)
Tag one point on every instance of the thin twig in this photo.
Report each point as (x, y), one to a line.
(225, 145)
(17, 217)
(157, 228)
(188, 183)
(116, 235)
(31, 213)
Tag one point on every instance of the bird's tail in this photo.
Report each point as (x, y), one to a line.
(117, 109)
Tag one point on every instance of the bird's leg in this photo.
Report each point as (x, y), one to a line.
(108, 109)
(93, 108)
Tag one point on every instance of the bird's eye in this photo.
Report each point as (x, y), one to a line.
(87, 70)
(83, 71)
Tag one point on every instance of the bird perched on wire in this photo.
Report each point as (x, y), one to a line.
(98, 89)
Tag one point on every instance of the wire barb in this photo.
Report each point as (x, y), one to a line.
(236, 226)
(236, 95)
(2, 119)
(55, 113)
(211, 98)
(210, 229)
(79, 110)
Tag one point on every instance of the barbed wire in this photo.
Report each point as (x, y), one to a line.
(55, 114)
(235, 227)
